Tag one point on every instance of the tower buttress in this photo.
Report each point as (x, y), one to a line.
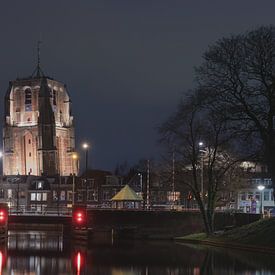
(47, 150)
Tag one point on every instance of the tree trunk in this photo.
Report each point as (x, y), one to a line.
(206, 221)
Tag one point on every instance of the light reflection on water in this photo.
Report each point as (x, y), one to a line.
(47, 253)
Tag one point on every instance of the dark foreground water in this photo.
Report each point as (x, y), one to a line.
(46, 253)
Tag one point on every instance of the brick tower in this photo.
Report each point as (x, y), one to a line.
(38, 133)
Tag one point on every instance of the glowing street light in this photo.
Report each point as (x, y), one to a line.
(201, 144)
(261, 188)
(75, 159)
(85, 146)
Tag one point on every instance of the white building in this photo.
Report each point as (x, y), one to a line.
(249, 198)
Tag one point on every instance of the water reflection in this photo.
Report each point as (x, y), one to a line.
(47, 253)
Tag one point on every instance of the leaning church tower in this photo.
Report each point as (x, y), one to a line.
(38, 133)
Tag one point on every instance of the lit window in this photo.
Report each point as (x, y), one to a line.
(62, 195)
(40, 185)
(38, 196)
(44, 196)
(33, 196)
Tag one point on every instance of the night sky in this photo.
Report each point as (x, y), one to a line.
(126, 63)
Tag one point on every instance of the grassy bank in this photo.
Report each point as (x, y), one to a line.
(260, 234)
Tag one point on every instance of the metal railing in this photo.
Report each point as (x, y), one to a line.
(65, 212)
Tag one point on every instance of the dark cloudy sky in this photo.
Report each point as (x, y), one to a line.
(125, 62)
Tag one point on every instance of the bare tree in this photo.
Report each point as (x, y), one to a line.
(191, 124)
(237, 75)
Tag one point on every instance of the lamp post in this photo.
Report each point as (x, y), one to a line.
(173, 180)
(1, 156)
(85, 146)
(261, 188)
(148, 186)
(75, 160)
(141, 185)
(200, 146)
(17, 200)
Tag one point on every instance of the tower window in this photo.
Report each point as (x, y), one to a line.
(30, 141)
(28, 100)
(30, 154)
(54, 97)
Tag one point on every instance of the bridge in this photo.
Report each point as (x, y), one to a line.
(96, 223)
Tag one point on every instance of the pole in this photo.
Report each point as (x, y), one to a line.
(262, 212)
(17, 201)
(148, 186)
(173, 180)
(141, 188)
(202, 195)
(58, 193)
(86, 179)
(73, 188)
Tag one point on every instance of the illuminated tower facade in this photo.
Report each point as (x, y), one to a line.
(38, 132)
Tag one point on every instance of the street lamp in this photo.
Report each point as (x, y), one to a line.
(201, 144)
(75, 159)
(85, 146)
(261, 188)
(1, 156)
(141, 186)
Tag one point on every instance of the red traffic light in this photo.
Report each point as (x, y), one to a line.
(79, 217)
(3, 216)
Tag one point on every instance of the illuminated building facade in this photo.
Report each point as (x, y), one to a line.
(38, 132)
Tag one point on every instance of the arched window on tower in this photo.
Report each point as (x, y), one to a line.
(54, 96)
(28, 100)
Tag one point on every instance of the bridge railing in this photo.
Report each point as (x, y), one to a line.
(53, 211)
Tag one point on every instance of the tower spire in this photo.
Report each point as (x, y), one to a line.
(38, 71)
(38, 59)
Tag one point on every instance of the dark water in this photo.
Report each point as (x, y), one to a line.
(46, 253)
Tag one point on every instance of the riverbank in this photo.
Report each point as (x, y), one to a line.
(257, 236)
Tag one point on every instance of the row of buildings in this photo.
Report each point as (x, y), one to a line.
(44, 194)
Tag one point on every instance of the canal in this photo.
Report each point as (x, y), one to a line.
(47, 253)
